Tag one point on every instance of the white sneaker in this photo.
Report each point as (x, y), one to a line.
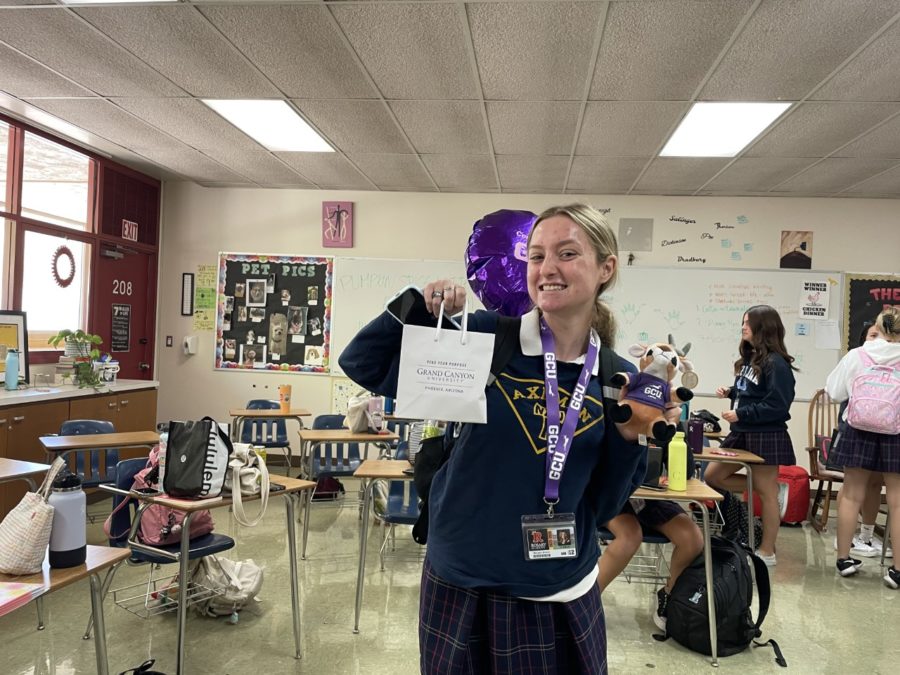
(864, 549)
(769, 560)
(877, 544)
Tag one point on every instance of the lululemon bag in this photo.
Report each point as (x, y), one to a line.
(196, 459)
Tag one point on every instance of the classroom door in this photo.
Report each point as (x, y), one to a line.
(125, 309)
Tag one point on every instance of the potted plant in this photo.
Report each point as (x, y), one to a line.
(83, 348)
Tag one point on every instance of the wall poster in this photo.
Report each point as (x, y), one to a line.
(274, 313)
(867, 295)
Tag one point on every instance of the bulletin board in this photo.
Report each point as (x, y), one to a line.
(274, 313)
(866, 296)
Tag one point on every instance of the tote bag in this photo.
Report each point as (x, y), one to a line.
(196, 459)
(247, 475)
(25, 532)
(443, 373)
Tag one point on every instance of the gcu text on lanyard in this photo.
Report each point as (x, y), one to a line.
(552, 535)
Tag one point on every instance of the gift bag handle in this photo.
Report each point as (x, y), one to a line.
(464, 335)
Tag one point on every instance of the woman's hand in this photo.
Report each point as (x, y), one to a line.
(722, 392)
(730, 416)
(443, 290)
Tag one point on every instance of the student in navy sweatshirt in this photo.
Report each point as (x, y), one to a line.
(501, 603)
(761, 400)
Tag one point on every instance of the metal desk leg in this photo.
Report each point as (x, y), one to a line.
(363, 537)
(710, 590)
(292, 559)
(183, 582)
(306, 510)
(99, 625)
(40, 606)
(886, 541)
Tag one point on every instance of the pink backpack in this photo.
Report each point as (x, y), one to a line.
(875, 398)
(160, 525)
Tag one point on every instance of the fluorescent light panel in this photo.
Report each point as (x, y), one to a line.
(273, 124)
(720, 129)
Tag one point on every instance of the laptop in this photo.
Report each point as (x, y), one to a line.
(654, 468)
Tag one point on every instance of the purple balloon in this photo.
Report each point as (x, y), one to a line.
(496, 261)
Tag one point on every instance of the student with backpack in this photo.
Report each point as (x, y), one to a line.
(499, 592)
(870, 377)
(761, 398)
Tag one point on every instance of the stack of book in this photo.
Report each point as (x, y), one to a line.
(14, 594)
(66, 366)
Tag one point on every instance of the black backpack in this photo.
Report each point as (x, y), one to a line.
(688, 616)
(434, 452)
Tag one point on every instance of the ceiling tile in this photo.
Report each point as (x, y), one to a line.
(833, 175)
(63, 42)
(534, 51)
(474, 172)
(411, 50)
(887, 183)
(882, 142)
(757, 174)
(788, 47)
(178, 42)
(668, 174)
(816, 129)
(871, 76)
(613, 175)
(520, 172)
(357, 126)
(645, 56)
(297, 46)
(443, 126)
(533, 128)
(394, 171)
(24, 78)
(626, 128)
(327, 169)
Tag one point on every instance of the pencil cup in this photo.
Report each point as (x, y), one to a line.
(284, 397)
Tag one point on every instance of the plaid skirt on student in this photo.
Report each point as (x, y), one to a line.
(774, 447)
(857, 449)
(463, 630)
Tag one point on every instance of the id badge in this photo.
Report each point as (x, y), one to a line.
(546, 537)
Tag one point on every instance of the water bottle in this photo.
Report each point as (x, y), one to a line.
(163, 443)
(68, 536)
(388, 405)
(677, 464)
(12, 369)
(695, 435)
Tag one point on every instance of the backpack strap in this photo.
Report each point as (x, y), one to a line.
(763, 587)
(608, 362)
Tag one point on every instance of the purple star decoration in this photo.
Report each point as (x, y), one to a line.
(496, 261)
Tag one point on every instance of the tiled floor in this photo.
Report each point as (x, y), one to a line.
(824, 623)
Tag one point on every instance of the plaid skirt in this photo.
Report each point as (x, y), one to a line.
(857, 449)
(774, 447)
(465, 630)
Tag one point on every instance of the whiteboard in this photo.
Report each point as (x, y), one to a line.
(362, 286)
(705, 307)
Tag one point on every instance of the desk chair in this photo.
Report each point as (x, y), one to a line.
(401, 428)
(821, 422)
(333, 459)
(399, 505)
(124, 527)
(94, 466)
(644, 568)
(269, 433)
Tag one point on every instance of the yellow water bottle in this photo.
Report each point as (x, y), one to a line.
(678, 463)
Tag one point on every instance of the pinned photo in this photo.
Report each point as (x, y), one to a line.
(270, 283)
(253, 356)
(229, 303)
(297, 323)
(312, 295)
(257, 314)
(242, 313)
(229, 350)
(278, 325)
(239, 290)
(256, 292)
(313, 356)
(250, 338)
(315, 326)
(285, 297)
(226, 321)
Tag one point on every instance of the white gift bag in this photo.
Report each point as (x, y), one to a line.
(443, 373)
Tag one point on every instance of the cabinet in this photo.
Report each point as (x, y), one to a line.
(22, 425)
(20, 433)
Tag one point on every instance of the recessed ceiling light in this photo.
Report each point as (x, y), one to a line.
(273, 124)
(720, 129)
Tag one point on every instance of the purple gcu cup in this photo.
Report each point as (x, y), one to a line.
(695, 436)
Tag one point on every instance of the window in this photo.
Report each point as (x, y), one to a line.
(4, 157)
(54, 183)
(50, 306)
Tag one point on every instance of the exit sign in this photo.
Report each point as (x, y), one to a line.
(129, 230)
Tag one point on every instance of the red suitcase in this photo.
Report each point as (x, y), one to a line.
(793, 494)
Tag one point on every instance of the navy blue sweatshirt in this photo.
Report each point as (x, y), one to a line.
(496, 471)
(763, 401)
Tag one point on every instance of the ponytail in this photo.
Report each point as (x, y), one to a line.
(604, 323)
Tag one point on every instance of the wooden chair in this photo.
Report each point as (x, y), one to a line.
(823, 419)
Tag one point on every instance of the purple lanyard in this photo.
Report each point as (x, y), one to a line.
(556, 437)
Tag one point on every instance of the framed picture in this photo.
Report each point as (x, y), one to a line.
(337, 224)
(256, 292)
(14, 335)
